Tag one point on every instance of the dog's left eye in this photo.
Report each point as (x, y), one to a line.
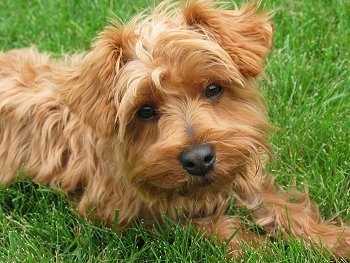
(212, 91)
(147, 113)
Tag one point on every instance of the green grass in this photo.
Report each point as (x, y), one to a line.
(307, 87)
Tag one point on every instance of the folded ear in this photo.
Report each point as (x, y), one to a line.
(88, 88)
(244, 34)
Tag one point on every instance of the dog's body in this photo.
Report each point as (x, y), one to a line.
(162, 116)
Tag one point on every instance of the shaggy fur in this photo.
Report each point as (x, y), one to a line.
(111, 127)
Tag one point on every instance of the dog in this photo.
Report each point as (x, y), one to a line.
(162, 116)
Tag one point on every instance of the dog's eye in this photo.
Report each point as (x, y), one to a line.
(212, 91)
(147, 113)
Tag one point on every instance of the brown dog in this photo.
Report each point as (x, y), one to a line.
(162, 116)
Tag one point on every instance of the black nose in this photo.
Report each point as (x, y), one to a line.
(198, 160)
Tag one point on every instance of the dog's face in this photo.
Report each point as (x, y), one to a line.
(177, 93)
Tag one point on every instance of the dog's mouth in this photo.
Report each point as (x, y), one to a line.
(195, 185)
(202, 181)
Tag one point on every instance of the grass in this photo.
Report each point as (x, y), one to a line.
(307, 87)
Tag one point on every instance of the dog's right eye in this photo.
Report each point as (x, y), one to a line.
(147, 113)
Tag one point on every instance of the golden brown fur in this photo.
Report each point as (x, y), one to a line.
(74, 125)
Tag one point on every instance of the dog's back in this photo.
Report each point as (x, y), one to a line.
(22, 77)
(33, 123)
(40, 135)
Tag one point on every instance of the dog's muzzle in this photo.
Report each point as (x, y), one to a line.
(198, 160)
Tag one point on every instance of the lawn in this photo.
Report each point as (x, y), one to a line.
(307, 88)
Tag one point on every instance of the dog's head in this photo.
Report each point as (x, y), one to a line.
(176, 90)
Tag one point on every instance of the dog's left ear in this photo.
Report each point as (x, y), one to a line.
(244, 34)
(88, 89)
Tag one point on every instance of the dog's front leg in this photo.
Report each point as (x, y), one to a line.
(228, 229)
(297, 216)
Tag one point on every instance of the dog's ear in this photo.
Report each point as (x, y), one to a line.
(244, 34)
(89, 86)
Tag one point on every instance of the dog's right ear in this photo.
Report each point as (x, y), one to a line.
(88, 88)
